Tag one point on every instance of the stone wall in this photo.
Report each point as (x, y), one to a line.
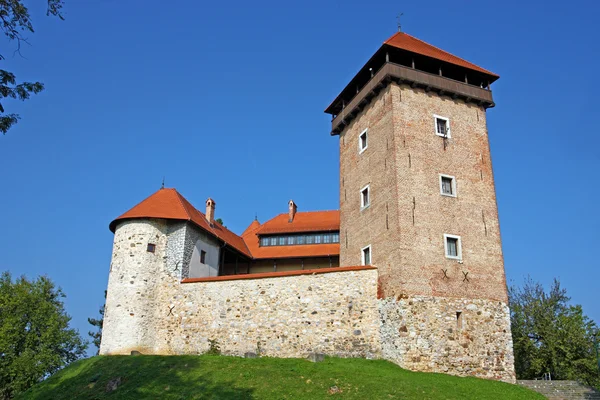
(148, 309)
(562, 390)
(454, 336)
(134, 284)
(332, 311)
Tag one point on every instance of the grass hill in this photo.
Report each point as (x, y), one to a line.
(219, 377)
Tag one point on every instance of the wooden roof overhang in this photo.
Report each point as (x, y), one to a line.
(391, 64)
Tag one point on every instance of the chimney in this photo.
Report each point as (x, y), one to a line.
(210, 210)
(292, 210)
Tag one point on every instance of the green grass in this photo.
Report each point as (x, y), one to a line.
(218, 377)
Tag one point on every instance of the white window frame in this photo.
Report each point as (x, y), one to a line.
(458, 246)
(362, 255)
(453, 183)
(362, 204)
(360, 148)
(435, 126)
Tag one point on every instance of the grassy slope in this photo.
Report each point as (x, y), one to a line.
(216, 377)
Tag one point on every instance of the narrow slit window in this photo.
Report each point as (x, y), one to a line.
(366, 255)
(365, 197)
(459, 320)
(363, 141)
(202, 257)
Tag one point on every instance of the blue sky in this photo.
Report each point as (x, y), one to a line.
(226, 100)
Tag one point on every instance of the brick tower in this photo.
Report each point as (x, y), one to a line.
(417, 200)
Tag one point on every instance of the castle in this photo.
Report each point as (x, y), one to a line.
(410, 269)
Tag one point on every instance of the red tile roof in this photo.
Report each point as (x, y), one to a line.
(407, 42)
(308, 221)
(311, 221)
(278, 274)
(169, 204)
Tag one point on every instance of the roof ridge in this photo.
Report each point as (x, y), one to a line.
(181, 198)
(443, 51)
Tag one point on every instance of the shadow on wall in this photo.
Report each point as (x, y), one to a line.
(138, 377)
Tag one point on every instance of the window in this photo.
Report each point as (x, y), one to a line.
(452, 247)
(362, 141)
(202, 257)
(299, 239)
(447, 185)
(151, 248)
(366, 255)
(459, 320)
(442, 126)
(365, 198)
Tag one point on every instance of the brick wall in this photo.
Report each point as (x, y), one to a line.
(408, 217)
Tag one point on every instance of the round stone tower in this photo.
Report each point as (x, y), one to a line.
(135, 277)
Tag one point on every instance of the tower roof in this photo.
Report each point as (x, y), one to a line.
(404, 41)
(403, 58)
(170, 204)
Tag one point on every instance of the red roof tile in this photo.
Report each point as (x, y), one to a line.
(308, 221)
(278, 274)
(312, 221)
(169, 204)
(252, 227)
(407, 42)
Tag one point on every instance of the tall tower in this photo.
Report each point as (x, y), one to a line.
(417, 200)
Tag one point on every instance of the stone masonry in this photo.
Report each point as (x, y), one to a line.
(149, 310)
(423, 293)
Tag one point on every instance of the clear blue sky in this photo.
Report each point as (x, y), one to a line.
(226, 100)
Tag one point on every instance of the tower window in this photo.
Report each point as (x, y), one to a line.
(452, 247)
(366, 255)
(447, 185)
(365, 197)
(202, 257)
(151, 248)
(362, 141)
(442, 126)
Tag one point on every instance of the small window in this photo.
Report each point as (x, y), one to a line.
(366, 255)
(273, 241)
(365, 197)
(282, 240)
(452, 247)
(442, 126)
(447, 185)
(202, 257)
(459, 320)
(362, 141)
(336, 238)
(151, 248)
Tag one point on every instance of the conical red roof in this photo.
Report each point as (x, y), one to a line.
(169, 204)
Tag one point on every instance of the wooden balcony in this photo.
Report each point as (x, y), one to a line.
(391, 72)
